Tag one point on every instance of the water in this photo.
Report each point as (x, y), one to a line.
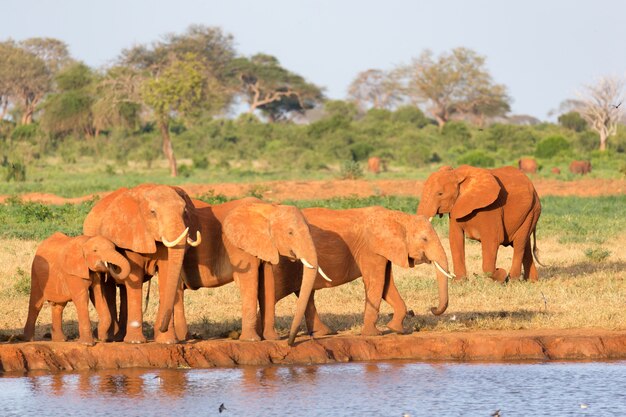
(354, 389)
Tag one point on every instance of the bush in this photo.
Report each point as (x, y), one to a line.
(351, 170)
(185, 171)
(15, 171)
(597, 254)
(361, 151)
(22, 282)
(477, 158)
(200, 162)
(573, 121)
(551, 146)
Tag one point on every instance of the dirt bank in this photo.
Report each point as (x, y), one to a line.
(519, 345)
(307, 190)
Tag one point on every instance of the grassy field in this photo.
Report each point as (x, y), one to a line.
(580, 239)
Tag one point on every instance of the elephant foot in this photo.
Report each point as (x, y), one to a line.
(323, 331)
(135, 339)
(249, 336)
(371, 331)
(396, 327)
(270, 335)
(460, 278)
(165, 339)
(500, 275)
(86, 342)
(59, 338)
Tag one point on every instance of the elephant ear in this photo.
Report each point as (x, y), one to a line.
(190, 217)
(478, 189)
(387, 237)
(72, 259)
(248, 228)
(118, 217)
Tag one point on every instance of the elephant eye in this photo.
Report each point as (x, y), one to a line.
(153, 211)
(440, 193)
(424, 239)
(290, 232)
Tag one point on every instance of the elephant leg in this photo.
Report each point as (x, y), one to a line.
(57, 322)
(457, 249)
(519, 247)
(134, 295)
(266, 324)
(392, 296)
(104, 314)
(374, 280)
(530, 270)
(248, 283)
(490, 254)
(122, 319)
(180, 323)
(34, 307)
(314, 324)
(109, 292)
(80, 297)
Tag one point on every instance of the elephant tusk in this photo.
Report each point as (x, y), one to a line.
(177, 241)
(443, 271)
(430, 219)
(106, 264)
(306, 263)
(319, 269)
(197, 242)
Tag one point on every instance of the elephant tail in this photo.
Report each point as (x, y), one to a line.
(535, 249)
(147, 297)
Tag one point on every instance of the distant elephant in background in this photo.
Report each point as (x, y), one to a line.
(580, 167)
(494, 206)
(239, 237)
(153, 225)
(373, 165)
(361, 242)
(527, 165)
(66, 269)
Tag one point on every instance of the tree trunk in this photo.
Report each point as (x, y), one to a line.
(168, 151)
(603, 136)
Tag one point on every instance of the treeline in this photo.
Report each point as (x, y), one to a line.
(182, 93)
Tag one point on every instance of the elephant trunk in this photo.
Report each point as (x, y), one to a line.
(120, 260)
(309, 272)
(175, 256)
(438, 256)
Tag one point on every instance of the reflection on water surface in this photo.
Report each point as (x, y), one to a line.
(364, 389)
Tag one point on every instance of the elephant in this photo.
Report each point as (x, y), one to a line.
(527, 165)
(152, 225)
(373, 165)
(580, 167)
(493, 206)
(66, 269)
(240, 236)
(361, 242)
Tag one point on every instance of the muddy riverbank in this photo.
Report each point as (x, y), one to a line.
(537, 345)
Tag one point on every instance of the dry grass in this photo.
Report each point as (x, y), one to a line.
(578, 289)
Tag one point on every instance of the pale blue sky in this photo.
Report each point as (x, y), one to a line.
(542, 50)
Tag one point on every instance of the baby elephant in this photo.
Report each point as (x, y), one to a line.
(66, 269)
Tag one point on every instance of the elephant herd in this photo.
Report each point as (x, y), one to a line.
(272, 251)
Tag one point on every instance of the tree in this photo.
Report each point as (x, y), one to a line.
(181, 76)
(274, 90)
(25, 78)
(600, 106)
(182, 88)
(70, 108)
(376, 89)
(572, 120)
(454, 83)
(117, 99)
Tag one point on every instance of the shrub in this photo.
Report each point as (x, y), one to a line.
(200, 162)
(551, 146)
(351, 170)
(573, 121)
(361, 151)
(22, 282)
(477, 158)
(15, 171)
(597, 254)
(22, 132)
(185, 171)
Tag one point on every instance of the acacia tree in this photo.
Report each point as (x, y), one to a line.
(376, 89)
(454, 83)
(600, 106)
(181, 89)
(181, 76)
(274, 90)
(117, 101)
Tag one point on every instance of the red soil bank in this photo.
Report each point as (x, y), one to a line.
(536, 345)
